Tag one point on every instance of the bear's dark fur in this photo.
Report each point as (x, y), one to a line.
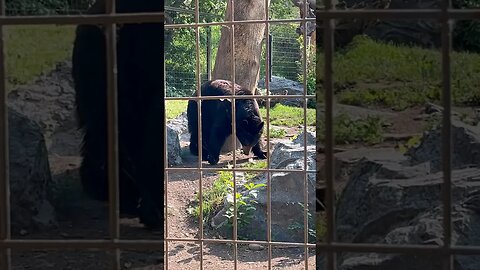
(217, 121)
(140, 111)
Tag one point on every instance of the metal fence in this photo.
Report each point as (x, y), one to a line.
(445, 14)
(201, 170)
(115, 244)
(285, 58)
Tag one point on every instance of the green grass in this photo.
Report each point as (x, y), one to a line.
(369, 73)
(214, 196)
(277, 133)
(412, 142)
(348, 130)
(175, 107)
(281, 115)
(33, 49)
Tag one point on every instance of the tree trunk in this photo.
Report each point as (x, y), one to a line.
(248, 44)
(248, 49)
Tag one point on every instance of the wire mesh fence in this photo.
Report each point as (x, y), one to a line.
(285, 56)
(232, 225)
(118, 246)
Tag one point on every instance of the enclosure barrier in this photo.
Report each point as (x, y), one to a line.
(115, 244)
(444, 14)
(201, 169)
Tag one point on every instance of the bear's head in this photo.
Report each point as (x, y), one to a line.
(249, 123)
(249, 131)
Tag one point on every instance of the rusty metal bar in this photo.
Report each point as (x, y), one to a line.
(112, 133)
(448, 259)
(234, 137)
(215, 169)
(200, 139)
(165, 165)
(267, 120)
(305, 153)
(406, 14)
(84, 19)
(240, 97)
(42, 244)
(228, 23)
(5, 225)
(165, 236)
(328, 47)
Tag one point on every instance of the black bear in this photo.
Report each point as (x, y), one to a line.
(217, 121)
(140, 80)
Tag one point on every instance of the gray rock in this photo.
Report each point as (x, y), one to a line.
(282, 86)
(391, 202)
(419, 32)
(180, 125)
(287, 197)
(466, 147)
(173, 147)
(311, 138)
(50, 102)
(30, 177)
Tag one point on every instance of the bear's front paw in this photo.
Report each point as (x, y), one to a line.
(213, 160)
(262, 155)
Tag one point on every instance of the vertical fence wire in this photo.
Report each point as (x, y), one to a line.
(234, 138)
(199, 121)
(112, 142)
(305, 154)
(166, 174)
(267, 120)
(5, 234)
(446, 135)
(328, 50)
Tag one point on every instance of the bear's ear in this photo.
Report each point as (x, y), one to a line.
(245, 122)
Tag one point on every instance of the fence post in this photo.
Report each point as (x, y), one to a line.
(270, 43)
(209, 53)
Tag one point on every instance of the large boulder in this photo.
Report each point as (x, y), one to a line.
(397, 200)
(180, 125)
(282, 86)
(50, 102)
(466, 147)
(30, 178)
(287, 196)
(419, 32)
(173, 147)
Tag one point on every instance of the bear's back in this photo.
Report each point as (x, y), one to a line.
(223, 88)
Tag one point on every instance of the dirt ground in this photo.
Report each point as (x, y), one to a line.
(82, 218)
